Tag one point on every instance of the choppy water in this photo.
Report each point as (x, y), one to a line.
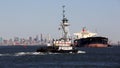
(26, 57)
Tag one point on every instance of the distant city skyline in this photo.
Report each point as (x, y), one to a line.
(24, 18)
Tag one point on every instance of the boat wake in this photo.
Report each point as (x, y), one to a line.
(27, 53)
(81, 51)
(22, 54)
(33, 53)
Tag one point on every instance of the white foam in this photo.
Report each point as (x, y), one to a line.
(22, 54)
(1, 54)
(81, 51)
(4, 54)
(19, 54)
(32, 53)
(28, 53)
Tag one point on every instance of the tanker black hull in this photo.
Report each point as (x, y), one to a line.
(92, 42)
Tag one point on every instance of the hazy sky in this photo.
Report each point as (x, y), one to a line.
(26, 18)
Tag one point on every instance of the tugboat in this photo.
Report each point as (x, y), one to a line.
(64, 44)
(88, 39)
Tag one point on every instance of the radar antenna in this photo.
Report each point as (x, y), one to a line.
(63, 11)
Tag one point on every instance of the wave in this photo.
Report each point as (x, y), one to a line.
(4, 54)
(81, 51)
(32, 53)
(22, 54)
(28, 53)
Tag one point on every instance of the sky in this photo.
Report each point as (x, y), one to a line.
(24, 18)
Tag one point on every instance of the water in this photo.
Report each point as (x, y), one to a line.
(26, 57)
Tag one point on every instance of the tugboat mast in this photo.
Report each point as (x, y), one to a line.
(64, 26)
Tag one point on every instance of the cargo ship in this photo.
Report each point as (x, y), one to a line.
(88, 39)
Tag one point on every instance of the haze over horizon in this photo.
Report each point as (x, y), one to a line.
(24, 18)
